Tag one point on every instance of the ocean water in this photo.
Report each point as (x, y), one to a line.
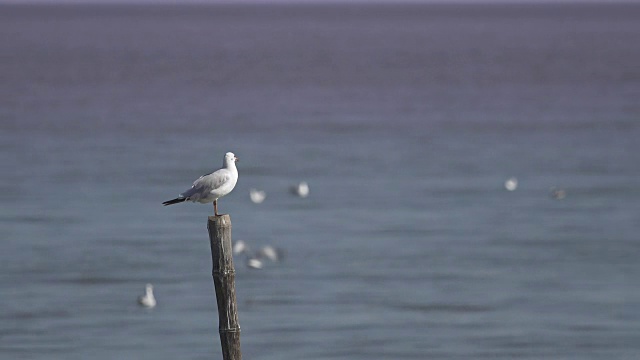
(405, 120)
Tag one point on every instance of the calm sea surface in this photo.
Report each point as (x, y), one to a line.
(404, 120)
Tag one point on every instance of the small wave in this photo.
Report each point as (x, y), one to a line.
(39, 314)
(447, 308)
(94, 280)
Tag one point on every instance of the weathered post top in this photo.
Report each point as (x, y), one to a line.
(224, 282)
(223, 220)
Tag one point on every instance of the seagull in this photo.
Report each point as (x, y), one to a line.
(209, 188)
(511, 184)
(301, 189)
(270, 253)
(257, 196)
(147, 300)
(254, 263)
(240, 247)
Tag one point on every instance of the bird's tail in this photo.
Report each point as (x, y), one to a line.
(174, 201)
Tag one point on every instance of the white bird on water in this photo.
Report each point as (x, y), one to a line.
(257, 196)
(209, 188)
(147, 300)
(239, 247)
(270, 253)
(511, 184)
(254, 263)
(301, 189)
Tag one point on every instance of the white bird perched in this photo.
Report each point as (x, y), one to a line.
(257, 196)
(301, 189)
(147, 300)
(511, 184)
(209, 188)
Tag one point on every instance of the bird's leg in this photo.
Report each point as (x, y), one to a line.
(215, 207)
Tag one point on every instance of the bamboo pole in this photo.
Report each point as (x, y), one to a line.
(224, 282)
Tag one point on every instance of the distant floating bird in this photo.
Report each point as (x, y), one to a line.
(209, 188)
(240, 247)
(557, 194)
(147, 300)
(270, 253)
(257, 196)
(511, 184)
(254, 263)
(301, 189)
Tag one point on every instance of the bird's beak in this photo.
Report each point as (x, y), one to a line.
(236, 159)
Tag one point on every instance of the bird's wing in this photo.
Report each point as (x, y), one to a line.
(212, 181)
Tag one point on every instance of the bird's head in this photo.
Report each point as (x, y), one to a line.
(230, 158)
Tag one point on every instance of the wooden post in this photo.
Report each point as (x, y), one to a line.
(224, 281)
